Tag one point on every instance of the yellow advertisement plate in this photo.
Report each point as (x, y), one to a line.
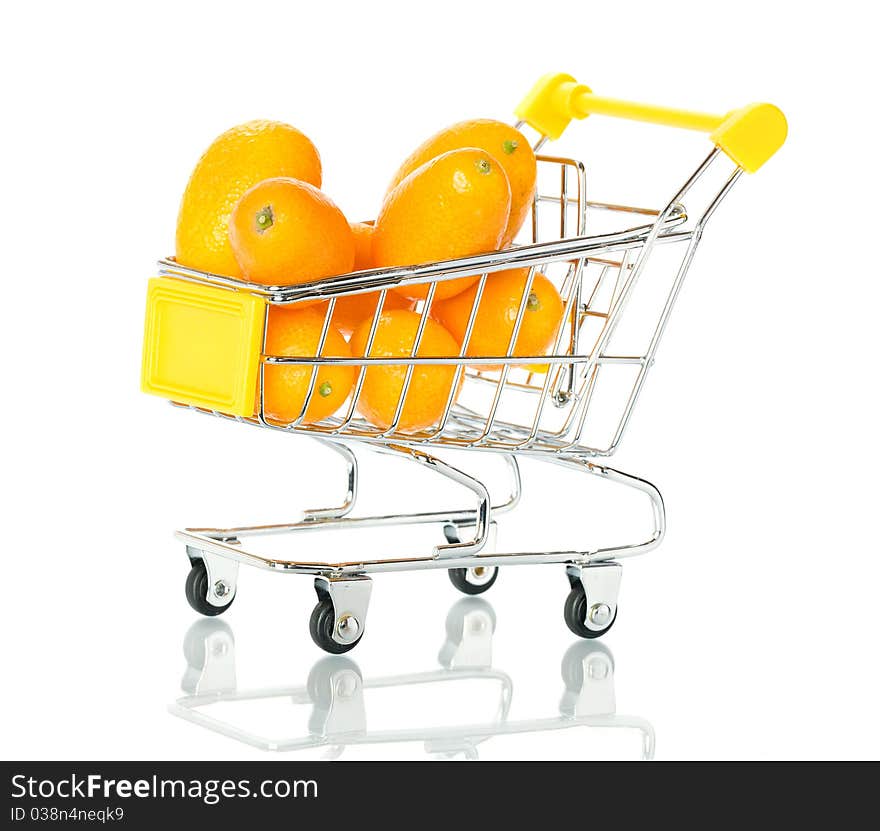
(202, 345)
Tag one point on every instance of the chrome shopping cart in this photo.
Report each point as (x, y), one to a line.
(618, 270)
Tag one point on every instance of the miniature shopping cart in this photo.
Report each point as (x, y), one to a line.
(618, 269)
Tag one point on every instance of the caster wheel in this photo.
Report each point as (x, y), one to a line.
(473, 580)
(197, 591)
(321, 629)
(576, 613)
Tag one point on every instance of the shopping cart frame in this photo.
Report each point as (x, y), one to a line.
(344, 586)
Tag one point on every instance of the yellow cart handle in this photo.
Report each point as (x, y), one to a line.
(749, 136)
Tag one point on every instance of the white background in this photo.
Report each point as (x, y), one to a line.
(751, 633)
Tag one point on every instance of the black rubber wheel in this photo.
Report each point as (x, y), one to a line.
(321, 629)
(197, 591)
(575, 614)
(461, 580)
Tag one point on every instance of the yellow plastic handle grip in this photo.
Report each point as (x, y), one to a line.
(749, 135)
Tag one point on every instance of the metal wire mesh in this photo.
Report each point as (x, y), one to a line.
(583, 402)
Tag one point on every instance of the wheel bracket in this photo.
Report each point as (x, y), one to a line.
(351, 599)
(601, 584)
(222, 576)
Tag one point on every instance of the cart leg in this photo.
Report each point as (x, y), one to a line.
(515, 486)
(644, 486)
(591, 607)
(481, 515)
(478, 578)
(508, 504)
(338, 621)
(347, 453)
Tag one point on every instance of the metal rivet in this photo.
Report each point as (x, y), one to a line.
(600, 614)
(479, 575)
(348, 627)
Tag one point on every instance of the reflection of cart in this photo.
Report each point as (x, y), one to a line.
(203, 350)
(339, 714)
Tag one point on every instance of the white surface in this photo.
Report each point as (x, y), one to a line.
(752, 633)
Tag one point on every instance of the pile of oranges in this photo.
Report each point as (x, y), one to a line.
(253, 210)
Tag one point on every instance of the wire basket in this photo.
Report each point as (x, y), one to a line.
(583, 402)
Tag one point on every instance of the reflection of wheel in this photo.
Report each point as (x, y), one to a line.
(321, 625)
(322, 675)
(332, 677)
(208, 642)
(588, 674)
(460, 610)
(455, 633)
(576, 611)
(197, 591)
(195, 637)
(474, 580)
(599, 660)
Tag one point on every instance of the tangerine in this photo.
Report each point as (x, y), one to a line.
(454, 205)
(234, 162)
(505, 143)
(284, 231)
(430, 385)
(296, 332)
(497, 313)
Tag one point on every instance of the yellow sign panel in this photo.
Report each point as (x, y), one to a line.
(202, 345)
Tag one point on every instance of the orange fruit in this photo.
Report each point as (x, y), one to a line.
(235, 161)
(497, 313)
(454, 205)
(363, 244)
(430, 385)
(296, 332)
(505, 143)
(350, 311)
(284, 231)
